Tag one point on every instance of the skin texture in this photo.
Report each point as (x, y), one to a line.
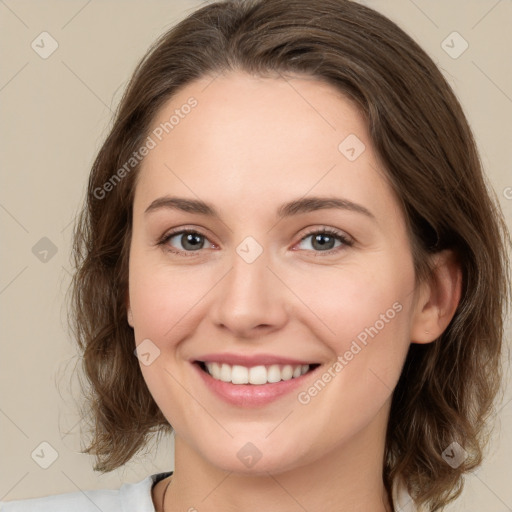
(248, 146)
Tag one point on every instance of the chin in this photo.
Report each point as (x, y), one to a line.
(247, 459)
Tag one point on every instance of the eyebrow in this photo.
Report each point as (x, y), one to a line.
(295, 207)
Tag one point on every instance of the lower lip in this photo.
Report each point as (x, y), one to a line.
(250, 395)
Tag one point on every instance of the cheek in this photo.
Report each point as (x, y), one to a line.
(364, 320)
(355, 302)
(163, 300)
(362, 314)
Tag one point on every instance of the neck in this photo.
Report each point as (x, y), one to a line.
(347, 479)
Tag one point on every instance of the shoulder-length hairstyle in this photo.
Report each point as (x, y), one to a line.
(448, 388)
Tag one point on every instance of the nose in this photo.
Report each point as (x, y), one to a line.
(251, 299)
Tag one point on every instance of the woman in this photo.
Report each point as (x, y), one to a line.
(289, 227)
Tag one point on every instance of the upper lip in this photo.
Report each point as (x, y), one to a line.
(249, 360)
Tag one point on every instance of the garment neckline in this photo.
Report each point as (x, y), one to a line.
(401, 499)
(160, 476)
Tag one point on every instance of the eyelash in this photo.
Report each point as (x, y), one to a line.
(346, 242)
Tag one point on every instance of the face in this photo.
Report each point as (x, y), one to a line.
(321, 290)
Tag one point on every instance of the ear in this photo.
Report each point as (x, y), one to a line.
(437, 299)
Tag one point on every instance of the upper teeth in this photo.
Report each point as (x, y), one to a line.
(257, 374)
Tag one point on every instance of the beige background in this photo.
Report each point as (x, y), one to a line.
(55, 113)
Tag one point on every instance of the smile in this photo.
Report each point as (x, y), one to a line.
(254, 380)
(256, 375)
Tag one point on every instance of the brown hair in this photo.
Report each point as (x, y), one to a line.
(447, 388)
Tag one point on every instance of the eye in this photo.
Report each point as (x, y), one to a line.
(325, 240)
(191, 241)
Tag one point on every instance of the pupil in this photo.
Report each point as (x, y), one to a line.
(189, 238)
(323, 244)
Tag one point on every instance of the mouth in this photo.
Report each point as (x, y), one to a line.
(256, 375)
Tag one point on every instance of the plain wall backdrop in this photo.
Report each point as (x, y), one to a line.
(55, 113)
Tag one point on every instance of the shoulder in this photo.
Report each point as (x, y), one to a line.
(134, 497)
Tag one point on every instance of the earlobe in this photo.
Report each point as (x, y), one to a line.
(438, 299)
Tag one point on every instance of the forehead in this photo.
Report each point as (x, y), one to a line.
(257, 140)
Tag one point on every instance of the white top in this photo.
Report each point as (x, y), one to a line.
(130, 498)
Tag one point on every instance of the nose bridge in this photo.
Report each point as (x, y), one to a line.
(250, 295)
(248, 282)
